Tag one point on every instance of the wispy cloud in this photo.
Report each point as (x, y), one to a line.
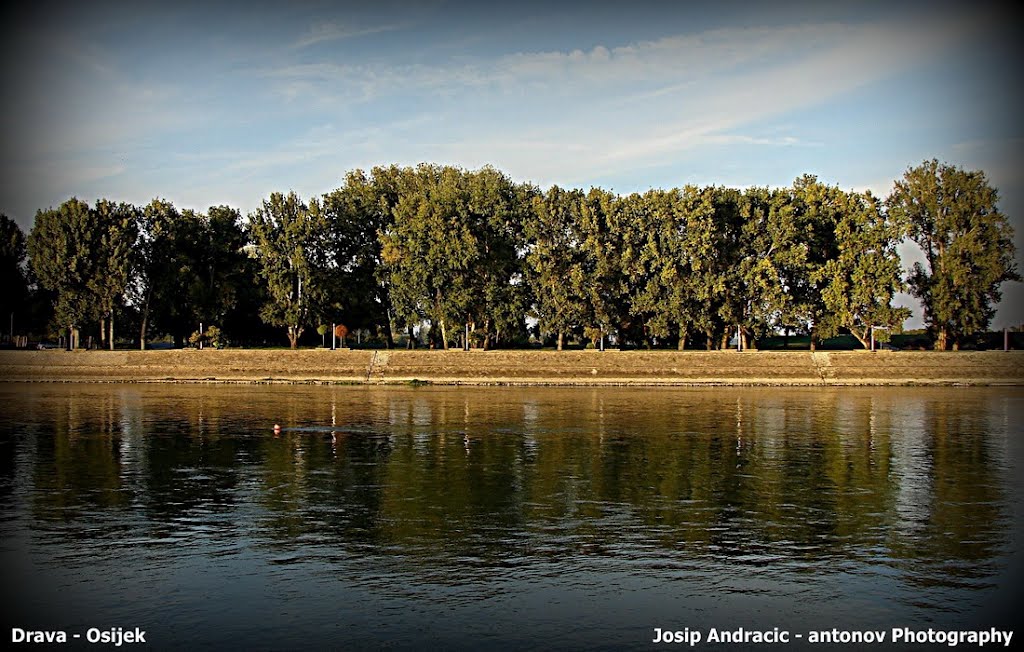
(639, 102)
(559, 115)
(332, 31)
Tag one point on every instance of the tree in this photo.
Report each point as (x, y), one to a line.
(116, 232)
(967, 244)
(816, 209)
(290, 239)
(859, 283)
(71, 249)
(555, 262)
(451, 253)
(710, 246)
(497, 210)
(153, 266)
(14, 298)
(602, 223)
(761, 249)
(356, 213)
(429, 251)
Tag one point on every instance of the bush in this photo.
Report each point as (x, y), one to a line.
(212, 337)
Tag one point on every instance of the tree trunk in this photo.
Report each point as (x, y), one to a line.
(103, 331)
(389, 335)
(145, 320)
(682, 339)
(487, 334)
(561, 340)
(864, 337)
(293, 337)
(725, 340)
(941, 340)
(444, 334)
(111, 329)
(814, 340)
(749, 343)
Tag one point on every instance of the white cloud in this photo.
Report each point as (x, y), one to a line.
(614, 107)
(332, 31)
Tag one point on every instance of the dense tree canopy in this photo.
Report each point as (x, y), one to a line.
(471, 258)
(14, 298)
(82, 254)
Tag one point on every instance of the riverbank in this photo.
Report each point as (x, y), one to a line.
(518, 367)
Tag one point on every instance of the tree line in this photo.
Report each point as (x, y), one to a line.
(455, 257)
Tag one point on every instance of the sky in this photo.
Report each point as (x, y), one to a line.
(218, 103)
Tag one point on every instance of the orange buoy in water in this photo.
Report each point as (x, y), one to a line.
(277, 429)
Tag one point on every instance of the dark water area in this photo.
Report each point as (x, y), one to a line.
(506, 518)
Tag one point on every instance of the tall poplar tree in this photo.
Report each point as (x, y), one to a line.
(356, 212)
(14, 298)
(864, 275)
(555, 262)
(816, 207)
(967, 243)
(289, 239)
(115, 232)
(607, 291)
(152, 262)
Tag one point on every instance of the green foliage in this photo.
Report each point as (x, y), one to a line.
(967, 242)
(860, 281)
(13, 251)
(356, 214)
(290, 244)
(608, 253)
(216, 338)
(444, 251)
(154, 286)
(82, 254)
(189, 268)
(556, 272)
(816, 208)
(450, 255)
(212, 336)
(116, 229)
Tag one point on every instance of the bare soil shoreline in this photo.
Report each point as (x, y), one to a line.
(565, 368)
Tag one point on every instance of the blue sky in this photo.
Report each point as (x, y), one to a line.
(224, 103)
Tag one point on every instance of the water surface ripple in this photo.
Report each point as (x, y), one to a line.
(505, 518)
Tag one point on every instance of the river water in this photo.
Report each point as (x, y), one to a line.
(506, 518)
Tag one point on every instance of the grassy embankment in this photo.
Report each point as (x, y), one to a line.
(519, 367)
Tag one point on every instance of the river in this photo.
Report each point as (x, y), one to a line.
(505, 518)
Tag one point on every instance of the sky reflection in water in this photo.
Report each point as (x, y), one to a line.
(506, 517)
